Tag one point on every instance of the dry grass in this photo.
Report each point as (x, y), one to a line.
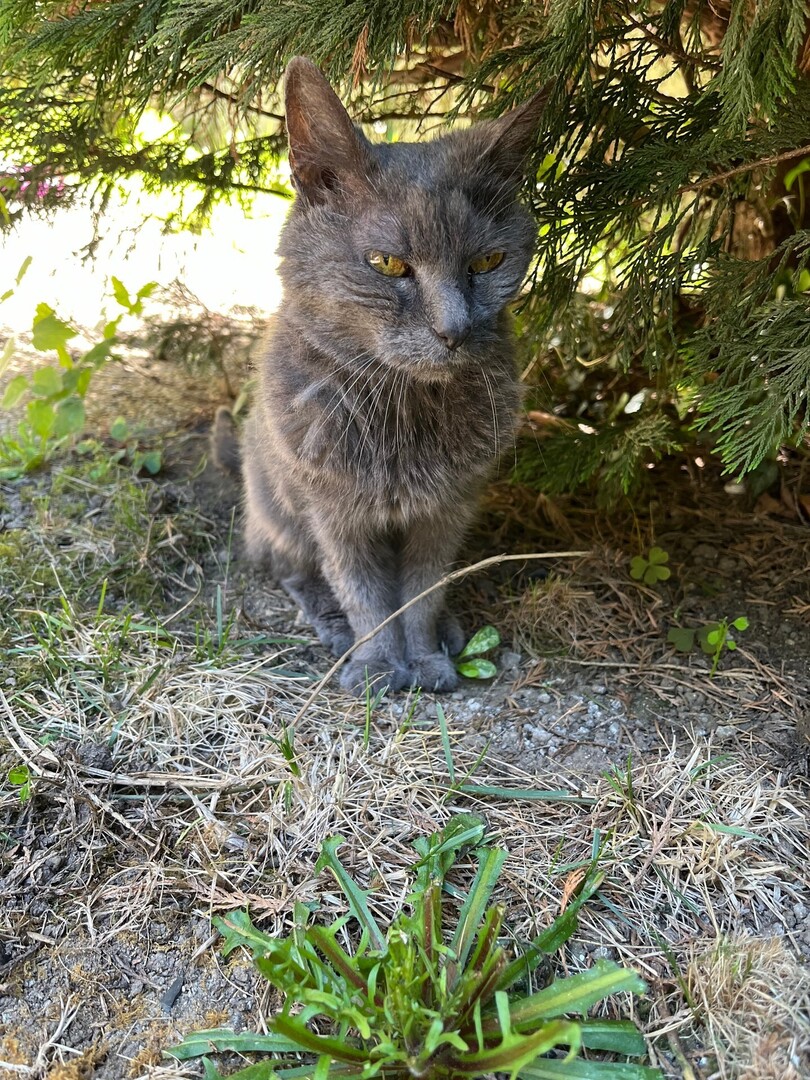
(167, 775)
(703, 856)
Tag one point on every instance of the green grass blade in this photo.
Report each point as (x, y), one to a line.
(472, 911)
(558, 1069)
(554, 936)
(353, 893)
(525, 793)
(448, 754)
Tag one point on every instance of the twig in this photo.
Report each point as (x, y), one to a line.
(454, 575)
(749, 166)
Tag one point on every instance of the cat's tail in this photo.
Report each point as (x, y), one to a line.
(225, 442)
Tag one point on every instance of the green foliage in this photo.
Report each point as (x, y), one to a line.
(470, 661)
(54, 414)
(671, 197)
(428, 998)
(652, 568)
(19, 776)
(713, 639)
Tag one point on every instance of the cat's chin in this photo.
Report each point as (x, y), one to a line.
(426, 369)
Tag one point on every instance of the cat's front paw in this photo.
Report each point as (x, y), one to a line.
(334, 632)
(371, 674)
(434, 672)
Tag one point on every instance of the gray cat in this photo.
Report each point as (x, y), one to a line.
(389, 387)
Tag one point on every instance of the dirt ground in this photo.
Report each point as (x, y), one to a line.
(153, 727)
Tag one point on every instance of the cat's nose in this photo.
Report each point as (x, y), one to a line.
(452, 334)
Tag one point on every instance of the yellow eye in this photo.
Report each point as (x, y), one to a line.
(484, 263)
(389, 265)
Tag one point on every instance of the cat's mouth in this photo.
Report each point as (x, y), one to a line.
(425, 359)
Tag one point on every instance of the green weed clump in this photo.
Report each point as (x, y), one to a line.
(431, 997)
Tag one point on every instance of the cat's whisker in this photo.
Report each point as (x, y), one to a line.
(495, 428)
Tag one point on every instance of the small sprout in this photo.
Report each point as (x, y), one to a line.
(713, 638)
(469, 662)
(651, 569)
(19, 777)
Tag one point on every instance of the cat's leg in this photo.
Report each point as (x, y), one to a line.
(279, 539)
(320, 606)
(451, 633)
(361, 569)
(429, 549)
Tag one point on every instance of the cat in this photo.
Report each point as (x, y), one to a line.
(389, 386)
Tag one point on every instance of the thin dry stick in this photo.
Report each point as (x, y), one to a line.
(454, 575)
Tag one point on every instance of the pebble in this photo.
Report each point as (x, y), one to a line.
(510, 660)
(725, 732)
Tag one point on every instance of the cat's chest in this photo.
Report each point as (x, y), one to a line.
(415, 447)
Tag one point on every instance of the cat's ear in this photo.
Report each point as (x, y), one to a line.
(511, 137)
(327, 153)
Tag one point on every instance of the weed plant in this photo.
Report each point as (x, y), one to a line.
(430, 997)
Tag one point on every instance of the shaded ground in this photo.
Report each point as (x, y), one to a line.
(153, 724)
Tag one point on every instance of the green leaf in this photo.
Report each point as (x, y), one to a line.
(237, 929)
(50, 332)
(41, 417)
(19, 775)
(713, 637)
(515, 1051)
(119, 429)
(14, 391)
(46, 382)
(120, 293)
(473, 908)
(574, 994)
(731, 644)
(741, 623)
(638, 567)
(614, 1036)
(146, 290)
(353, 893)
(657, 556)
(796, 172)
(481, 642)
(203, 1042)
(6, 354)
(294, 1030)
(152, 461)
(477, 669)
(23, 269)
(682, 638)
(69, 417)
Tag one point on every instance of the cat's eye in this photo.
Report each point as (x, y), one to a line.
(389, 265)
(483, 263)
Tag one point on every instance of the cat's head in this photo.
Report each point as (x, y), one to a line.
(405, 251)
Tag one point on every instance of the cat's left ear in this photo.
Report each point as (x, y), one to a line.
(327, 152)
(512, 136)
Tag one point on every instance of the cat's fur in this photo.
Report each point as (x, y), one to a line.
(384, 402)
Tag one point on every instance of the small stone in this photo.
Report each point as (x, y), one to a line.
(543, 698)
(510, 660)
(599, 690)
(725, 732)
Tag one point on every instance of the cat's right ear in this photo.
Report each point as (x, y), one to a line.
(328, 155)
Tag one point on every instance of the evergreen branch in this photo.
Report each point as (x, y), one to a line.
(749, 166)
